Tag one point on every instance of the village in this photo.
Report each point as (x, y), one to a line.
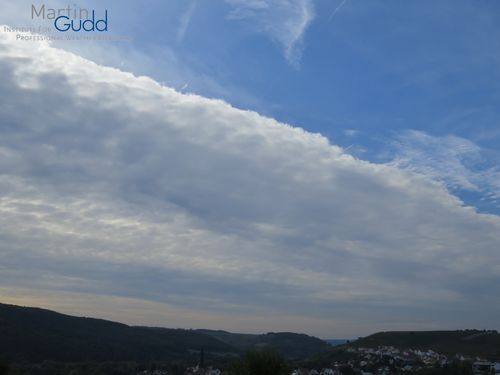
(384, 360)
(388, 360)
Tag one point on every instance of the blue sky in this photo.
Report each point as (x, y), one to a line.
(142, 200)
(364, 74)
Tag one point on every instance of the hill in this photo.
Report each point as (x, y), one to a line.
(34, 335)
(291, 345)
(467, 342)
(470, 343)
(337, 342)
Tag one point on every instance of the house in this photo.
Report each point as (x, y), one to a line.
(482, 368)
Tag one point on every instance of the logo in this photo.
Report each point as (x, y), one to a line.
(72, 18)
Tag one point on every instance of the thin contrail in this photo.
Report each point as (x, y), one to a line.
(337, 9)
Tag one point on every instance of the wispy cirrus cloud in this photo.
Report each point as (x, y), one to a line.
(337, 9)
(284, 21)
(185, 20)
(454, 161)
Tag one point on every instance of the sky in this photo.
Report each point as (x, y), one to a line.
(326, 167)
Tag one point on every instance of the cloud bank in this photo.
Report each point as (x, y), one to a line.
(112, 185)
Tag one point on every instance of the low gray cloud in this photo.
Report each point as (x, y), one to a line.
(114, 185)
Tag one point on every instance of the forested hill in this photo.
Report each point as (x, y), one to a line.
(290, 345)
(467, 342)
(33, 335)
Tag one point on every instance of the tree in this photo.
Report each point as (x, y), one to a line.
(4, 368)
(256, 362)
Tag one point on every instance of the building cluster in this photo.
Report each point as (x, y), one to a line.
(325, 371)
(203, 371)
(387, 360)
(189, 371)
(384, 360)
(485, 368)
